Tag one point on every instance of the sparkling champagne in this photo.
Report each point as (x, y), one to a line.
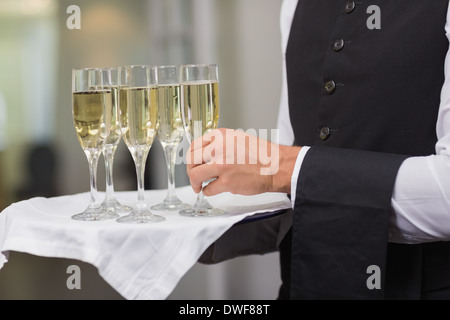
(170, 126)
(115, 131)
(138, 117)
(91, 114)
(201, 107)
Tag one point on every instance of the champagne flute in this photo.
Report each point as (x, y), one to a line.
(200, 112)
(138, 107)
(110, 203)
(91, 110)
(170, 130)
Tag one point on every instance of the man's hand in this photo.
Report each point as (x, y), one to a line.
(240, 163)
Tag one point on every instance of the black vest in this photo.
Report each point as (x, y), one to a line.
(366, 95)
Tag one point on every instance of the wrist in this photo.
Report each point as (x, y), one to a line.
(281, 181)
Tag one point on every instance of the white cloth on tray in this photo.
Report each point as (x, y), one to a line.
(144, 261)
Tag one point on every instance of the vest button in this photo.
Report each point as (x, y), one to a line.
(324, 133)
(338, 45)
(350, 6)
(330, 86)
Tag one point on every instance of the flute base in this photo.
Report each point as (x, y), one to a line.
(202, 209)
(95, 215)
(173, 204)
(140, 216)
(114, 206)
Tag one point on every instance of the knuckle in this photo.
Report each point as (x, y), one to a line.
(225, 181)
(193, 176)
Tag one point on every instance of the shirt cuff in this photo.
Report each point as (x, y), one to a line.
(296, 173)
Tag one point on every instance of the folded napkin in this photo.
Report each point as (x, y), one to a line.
(144, 261)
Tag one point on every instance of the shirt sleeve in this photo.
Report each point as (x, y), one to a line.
(286, 134)
(421, 198)
(296, 173)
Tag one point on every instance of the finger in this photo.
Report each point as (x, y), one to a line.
(195, 187)
(194, 154)
(203, 173)
(192, 166)
(206, 139)
(201, 142)
(194, 159)
(198, 157)
(216, 186)
(212, 150)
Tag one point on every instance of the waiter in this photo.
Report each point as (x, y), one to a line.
(365, 127)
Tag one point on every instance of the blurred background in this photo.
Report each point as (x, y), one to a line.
(39, 151)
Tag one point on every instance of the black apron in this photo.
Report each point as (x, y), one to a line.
(365, 99)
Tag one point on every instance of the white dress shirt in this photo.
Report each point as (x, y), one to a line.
(421, 197)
